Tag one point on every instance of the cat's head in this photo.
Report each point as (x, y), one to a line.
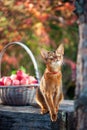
(53, 59)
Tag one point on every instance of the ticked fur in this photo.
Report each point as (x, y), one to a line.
(50, 94)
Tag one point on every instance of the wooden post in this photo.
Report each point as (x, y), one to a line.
(81, 83)
(81, 110)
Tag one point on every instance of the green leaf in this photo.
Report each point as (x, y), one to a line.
(23, 69)
(13, 72)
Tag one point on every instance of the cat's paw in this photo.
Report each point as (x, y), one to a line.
(53, 117)
(44, 111)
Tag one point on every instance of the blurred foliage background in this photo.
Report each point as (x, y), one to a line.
(39, 24)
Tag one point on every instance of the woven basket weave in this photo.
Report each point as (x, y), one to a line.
(21, 94)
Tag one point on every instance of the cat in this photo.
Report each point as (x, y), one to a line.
(50, 94)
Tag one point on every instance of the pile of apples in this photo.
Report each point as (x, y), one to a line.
(20, 78)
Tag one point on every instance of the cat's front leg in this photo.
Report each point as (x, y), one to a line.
(49, 101)
(41, 102)
(57, 100)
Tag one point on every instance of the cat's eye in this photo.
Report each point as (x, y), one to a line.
(51, 58)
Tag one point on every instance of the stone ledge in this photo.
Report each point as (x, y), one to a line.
(66, 105)
(29, 118)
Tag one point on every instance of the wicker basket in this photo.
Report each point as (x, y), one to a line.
(21, 94)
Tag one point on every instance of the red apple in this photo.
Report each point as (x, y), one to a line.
(20, 74)
(1, 83)
(13, 76)
(7, 80)
(32, 80)
(24, 81)
(15, 82)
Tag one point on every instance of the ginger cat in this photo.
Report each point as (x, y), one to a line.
(50, 93)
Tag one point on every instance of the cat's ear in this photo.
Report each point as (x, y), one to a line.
(60, 49)
(44, 53)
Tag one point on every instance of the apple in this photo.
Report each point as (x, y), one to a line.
(20, 74)
(24, 81)
(13, 76)
(7, 80)
(15, 82)
(32, 80)
(1, 83)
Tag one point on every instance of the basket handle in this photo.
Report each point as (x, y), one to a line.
(29, 53)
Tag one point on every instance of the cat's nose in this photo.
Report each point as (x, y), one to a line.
(55, 57)
(55, 60)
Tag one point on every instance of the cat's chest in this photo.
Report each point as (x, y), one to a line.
(52, 81)
(50, 84)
